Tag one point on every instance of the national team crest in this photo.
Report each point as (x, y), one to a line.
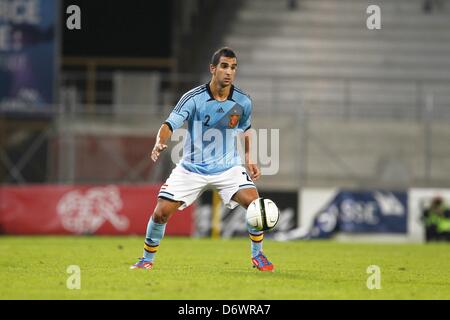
(234, 120)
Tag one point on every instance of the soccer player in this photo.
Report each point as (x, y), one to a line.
(216, 111)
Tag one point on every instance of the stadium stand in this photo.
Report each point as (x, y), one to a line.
(322, 56)
(363, 108)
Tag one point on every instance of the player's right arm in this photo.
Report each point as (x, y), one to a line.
(164, 135)
(182, 111)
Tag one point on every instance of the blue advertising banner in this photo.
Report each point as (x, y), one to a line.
(27, 54)
(362, 212)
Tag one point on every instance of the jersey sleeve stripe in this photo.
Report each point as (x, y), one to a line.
(187, 96)
(186, 99)
(241, 92)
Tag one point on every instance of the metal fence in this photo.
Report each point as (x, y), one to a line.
(343, 145)
(343, 97)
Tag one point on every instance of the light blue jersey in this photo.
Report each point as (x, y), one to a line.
(211, 145)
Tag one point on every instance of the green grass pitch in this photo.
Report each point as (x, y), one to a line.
(189, 268)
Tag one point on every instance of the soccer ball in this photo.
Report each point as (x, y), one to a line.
(262, 214)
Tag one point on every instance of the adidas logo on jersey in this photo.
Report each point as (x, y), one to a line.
(220, 110)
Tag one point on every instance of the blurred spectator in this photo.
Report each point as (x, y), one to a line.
(437, 220)
(430, 5)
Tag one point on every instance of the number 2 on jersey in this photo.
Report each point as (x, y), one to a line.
(207, 118)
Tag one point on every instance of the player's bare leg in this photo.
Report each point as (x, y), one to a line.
(244, 197)
(155, 231)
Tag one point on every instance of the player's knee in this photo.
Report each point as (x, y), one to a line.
(245, 197)
(163, 211)
(159, 216)
(249, 198)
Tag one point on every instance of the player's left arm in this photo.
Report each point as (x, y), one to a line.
(245, 125)
(251, 165)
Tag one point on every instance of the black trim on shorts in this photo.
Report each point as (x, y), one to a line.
(170, 194)
(247, 184)
(171, 200)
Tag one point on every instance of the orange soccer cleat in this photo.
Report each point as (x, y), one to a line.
(261, 262)
(142, 264)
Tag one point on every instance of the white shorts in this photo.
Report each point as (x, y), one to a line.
(185, 186)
